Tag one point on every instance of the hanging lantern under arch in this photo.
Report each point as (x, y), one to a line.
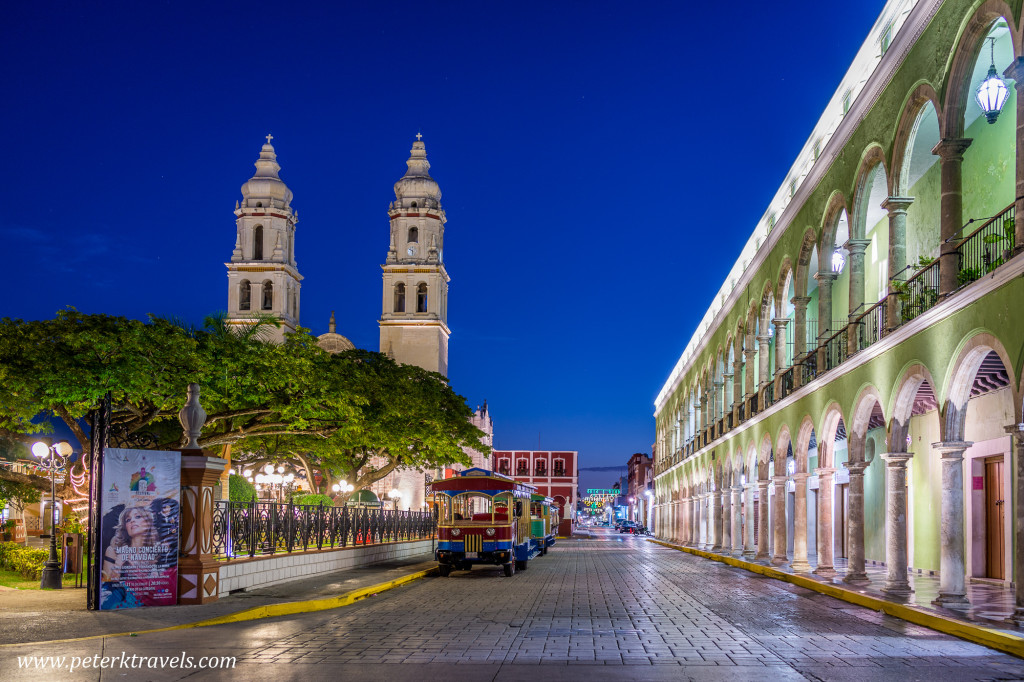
(992, 93)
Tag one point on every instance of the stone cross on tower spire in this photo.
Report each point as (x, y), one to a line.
(269, 138)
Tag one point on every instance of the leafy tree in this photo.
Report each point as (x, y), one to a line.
(405, 417)
(356, 414)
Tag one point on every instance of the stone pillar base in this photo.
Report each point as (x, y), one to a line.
(952, 601)
(800, 567)
(1017, 617)
(898, 588)
(825, 571)
(779, 560)
(856, 578)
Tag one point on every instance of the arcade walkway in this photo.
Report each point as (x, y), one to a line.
(585, 611)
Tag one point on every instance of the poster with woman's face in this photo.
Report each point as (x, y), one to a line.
(140, 516)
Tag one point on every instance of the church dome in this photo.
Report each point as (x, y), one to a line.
(332, 342)
(417, 183)
(266, 184)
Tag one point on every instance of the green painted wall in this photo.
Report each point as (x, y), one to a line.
(874, 497)
(925, 479)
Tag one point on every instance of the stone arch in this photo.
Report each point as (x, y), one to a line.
(763, 458)
(782, 283)
(964, 55)
(961, 380)
(906, 131)
(903, 404)
(782, 445)
(830, 221)
(802, 446)
(803, 262)
(872, 162)
(827, 434)
(753, 471)
(867, 402)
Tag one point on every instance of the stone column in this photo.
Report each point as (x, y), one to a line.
(719, 398)
(1016, 72)
(716, 512)
(683, 536)
(856, 248)
(800, 563)
(727, 512)
(728, 397)
(1017, 517)
(695, 538)
(750, 354)
(951, 218)
(825, 565)
(705, 525)
(952, 554)
(737, 520)
(737, 390)
(799, 333)
(780, 343)
(198, 570)
(749, 541)
(762, 521)
(780, 556)
(855, 572)
(705, 418)
(764, 369)
(896, 582)
(825, 279)
(897, 208)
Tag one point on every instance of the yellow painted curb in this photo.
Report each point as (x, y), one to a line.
(996, 639)
(258, 612)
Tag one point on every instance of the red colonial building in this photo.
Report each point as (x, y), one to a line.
(553, 474)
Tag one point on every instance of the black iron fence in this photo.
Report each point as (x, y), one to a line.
(836, 349)
(919, 293)
(786, 383)
(986, 248)
(247, 529)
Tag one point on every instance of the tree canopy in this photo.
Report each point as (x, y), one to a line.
(356, 414)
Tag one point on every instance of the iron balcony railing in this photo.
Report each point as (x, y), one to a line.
(742, 411)
(247, 529)
(917, 294)
(809, 368)
(836, 349)
(786, 383)
(769, 395)
(752, 405)
(988, 247)
(871, 325)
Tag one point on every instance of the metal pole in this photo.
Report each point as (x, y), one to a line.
(51, 579)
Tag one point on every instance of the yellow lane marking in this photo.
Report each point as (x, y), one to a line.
(259, 612)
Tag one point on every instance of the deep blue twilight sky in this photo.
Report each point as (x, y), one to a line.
(601, 165)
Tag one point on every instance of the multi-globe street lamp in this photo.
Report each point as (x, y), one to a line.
(395, 496)
(343, 487)
(275, 481)
(52, 458)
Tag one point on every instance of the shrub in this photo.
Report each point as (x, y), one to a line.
(239, 489)
(313, 499)
(24, 560)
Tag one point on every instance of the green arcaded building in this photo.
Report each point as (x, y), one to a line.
(852, 396)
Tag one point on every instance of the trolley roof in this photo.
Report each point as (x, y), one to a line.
(481, 481)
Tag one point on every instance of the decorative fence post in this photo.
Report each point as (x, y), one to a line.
(198, 571)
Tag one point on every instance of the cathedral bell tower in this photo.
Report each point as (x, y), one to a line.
(414, 323)
(262, 275)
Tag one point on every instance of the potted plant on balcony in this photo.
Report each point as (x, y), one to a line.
(1005, 240)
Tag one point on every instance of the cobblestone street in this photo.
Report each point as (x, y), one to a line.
(590, 608)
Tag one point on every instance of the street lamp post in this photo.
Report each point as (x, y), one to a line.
(52, 457)
(395, 495)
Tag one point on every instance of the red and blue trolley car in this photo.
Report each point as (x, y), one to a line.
(483, 518)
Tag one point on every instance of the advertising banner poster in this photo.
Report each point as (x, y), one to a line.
(139, 518)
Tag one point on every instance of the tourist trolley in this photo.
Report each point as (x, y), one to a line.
(543, 523)
(483, 518)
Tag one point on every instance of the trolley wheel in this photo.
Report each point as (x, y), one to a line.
(445, 570)
(521, 565)
(544, 550)
(510, 569)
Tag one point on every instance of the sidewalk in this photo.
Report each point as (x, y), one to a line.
(983, 622)
(37, 615)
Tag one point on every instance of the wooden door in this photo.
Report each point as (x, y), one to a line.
(994, 518)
